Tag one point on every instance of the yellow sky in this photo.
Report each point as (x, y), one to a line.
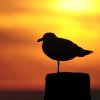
(23, 65)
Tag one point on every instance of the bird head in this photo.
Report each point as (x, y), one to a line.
(47, 36)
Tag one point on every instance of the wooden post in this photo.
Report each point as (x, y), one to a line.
(67, 86)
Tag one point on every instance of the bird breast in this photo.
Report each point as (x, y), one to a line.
(49, 48)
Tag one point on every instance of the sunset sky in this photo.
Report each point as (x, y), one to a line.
(23, 65)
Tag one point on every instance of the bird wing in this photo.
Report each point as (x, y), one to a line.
(69, 45)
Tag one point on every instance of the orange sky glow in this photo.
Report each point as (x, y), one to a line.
(23, 65)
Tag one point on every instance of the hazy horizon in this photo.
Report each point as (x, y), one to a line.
(35, 95)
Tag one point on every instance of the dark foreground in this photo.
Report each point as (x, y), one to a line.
(35, 95)
(67, 86)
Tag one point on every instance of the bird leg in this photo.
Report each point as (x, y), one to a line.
(58, 65)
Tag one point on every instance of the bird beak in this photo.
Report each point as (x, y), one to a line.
(39, 40)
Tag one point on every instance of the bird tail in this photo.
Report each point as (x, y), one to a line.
(84, 53)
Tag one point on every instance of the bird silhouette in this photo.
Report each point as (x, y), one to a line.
(61, 49)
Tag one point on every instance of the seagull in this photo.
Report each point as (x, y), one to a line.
(60, 49)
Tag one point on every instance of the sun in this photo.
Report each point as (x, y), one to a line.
(71, 5)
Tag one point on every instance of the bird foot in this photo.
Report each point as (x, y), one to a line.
(58, 72)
